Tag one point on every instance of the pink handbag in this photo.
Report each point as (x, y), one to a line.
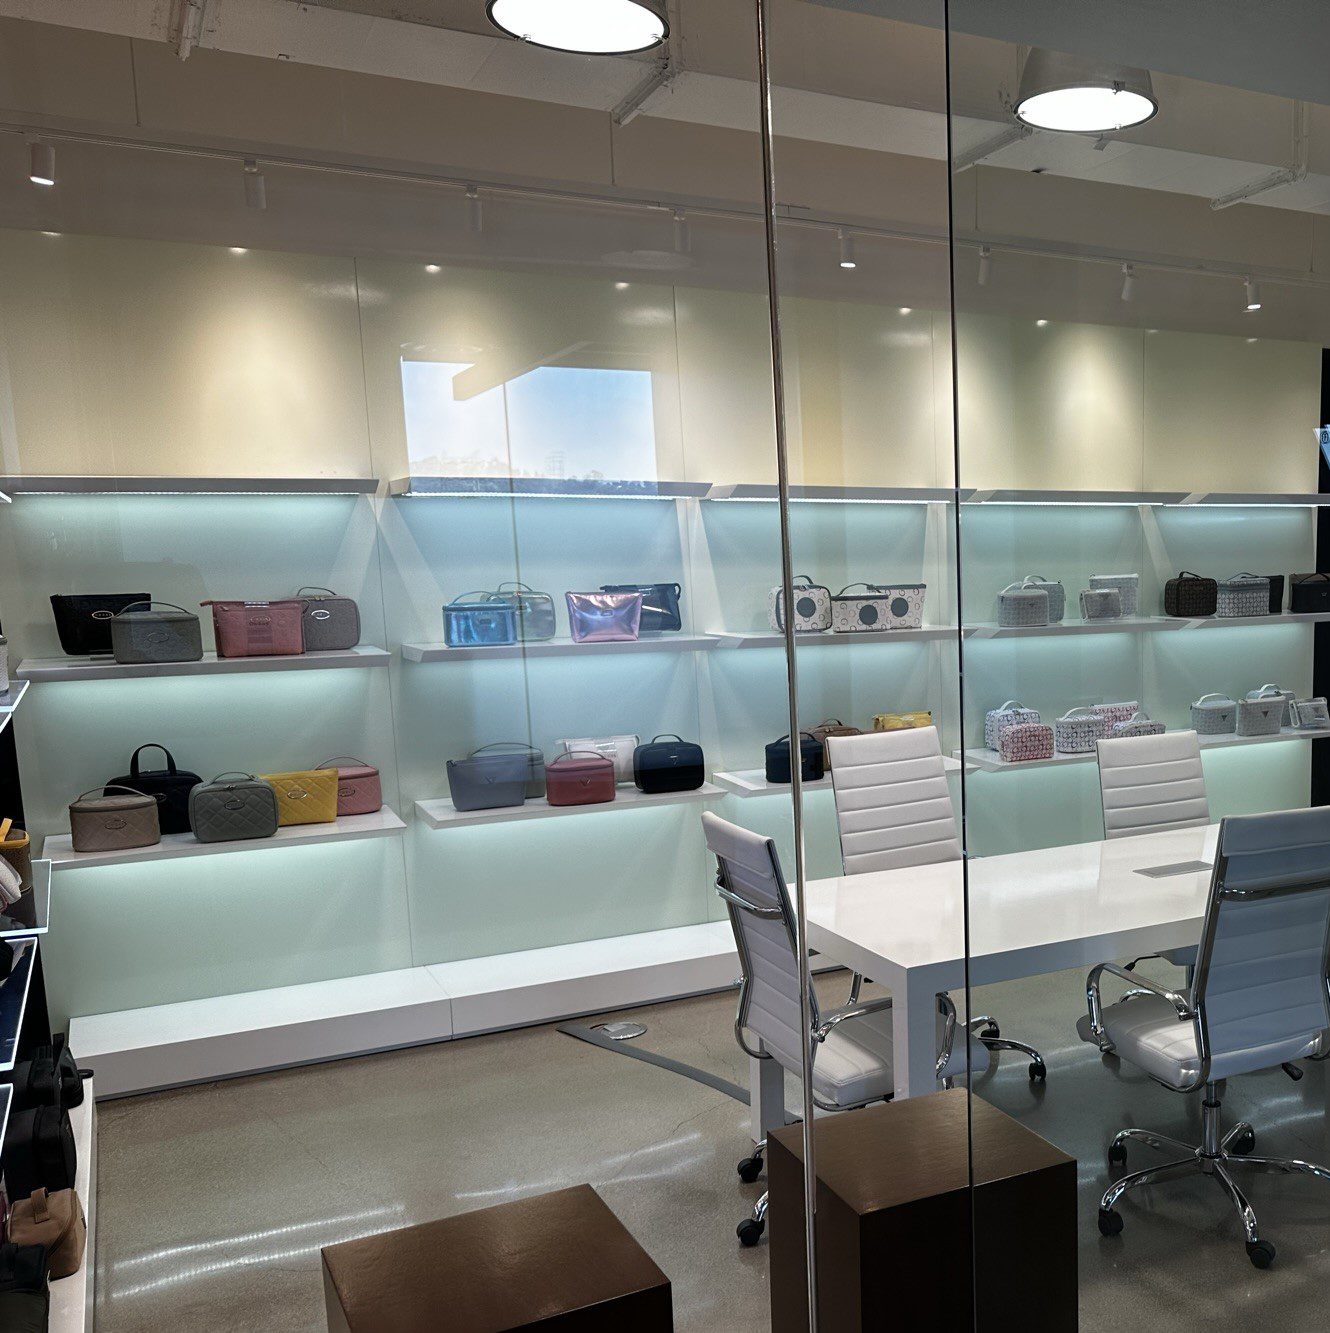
(1026, 741)
(604, 617)
(359, 790)
(580, 777)
(258, 629)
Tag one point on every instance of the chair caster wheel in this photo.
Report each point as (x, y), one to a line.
(1117, 1154)
(1038, 1071)
(749, 1231)
(1110, 1224)
(749, 1169)
(1261, 1253)
(1242, 1145)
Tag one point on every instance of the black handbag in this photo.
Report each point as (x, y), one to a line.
(170, 785)
(83, 620)
(24, 1295)
(1276, 593)
(812, 759)
(1309, 592)
(1190, 595)
(668, 763)
(39, 1152)
(660, 604)
(50, 1078)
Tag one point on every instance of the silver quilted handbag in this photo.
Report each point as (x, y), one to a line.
(1275, 692)
(1214, 715)
(1128, 588)
(1010, 714)
(1101, 604)
(1138, 725)
(1244, 595)
(1057, 595)
(1017, 606)
(1260, 717)
(233, 807)
(1311, 715)
(1075, 732)
(1113, 713)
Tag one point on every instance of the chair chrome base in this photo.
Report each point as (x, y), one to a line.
(986, 1029)
(1215, 1157)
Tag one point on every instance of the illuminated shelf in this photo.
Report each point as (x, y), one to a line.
(648, 643)
(59, 849)
(14, 1001)
(1165, 499)
(106, 668)
(771, 639)
(10, 700)
(548, 488)
(90, 485)
(442, 813)
(748, 782)
(837, 494)
(1140, 625)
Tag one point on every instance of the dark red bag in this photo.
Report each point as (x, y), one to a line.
(580, 777)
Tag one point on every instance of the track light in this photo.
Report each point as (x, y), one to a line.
(592, 27)
(1078, 95)
(847, 259)
(475, 210)
(256, 188)
(1128, 281)
(41, 164)
(1253, 293)
(985, 264)
(682, 240)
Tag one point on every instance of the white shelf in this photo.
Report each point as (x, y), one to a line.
(9, 700)
(351, 828)
(771, 639)
(836, 494)
(546, 488)
(648, 643)
(1237, 622)
(1166, 499)
(100, 485)
(441, 813)
(72, 1296)
(89, 668)
(748, 782)
(1140, 625)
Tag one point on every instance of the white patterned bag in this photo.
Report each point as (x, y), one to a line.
(1057, 595)
(1260, 717)
(1101, 604)
(1128, 589)
(1214, 715)
(1244, 595)
(1311, 715)
(860, 613)
(1026, 741)
(1019, 606)
(1010, 714)
(905, 604)
(1112, 713)
(1140, 725)
(1076, 731)
(812, 606)
(1275, 692)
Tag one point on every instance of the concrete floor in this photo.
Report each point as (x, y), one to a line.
(214, 1201)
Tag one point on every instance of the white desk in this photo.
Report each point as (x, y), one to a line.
(1030, 913)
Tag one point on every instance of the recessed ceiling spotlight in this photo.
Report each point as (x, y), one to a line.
(985, 264)
(1253, 291)
(431, 268)
(1128, 281)
(239, 250)
(847, 259)
(1253, 340)
(1041, 323)
(591, 27)
(1078, 95)
(41, 164)
(907, 310)
(620, 286)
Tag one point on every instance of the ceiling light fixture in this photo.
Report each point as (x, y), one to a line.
(847, 259)
(1041, 323)
(1078, 95)
(682, 240)
(1128, 281)
(985, 264)
(475, 210)
(431, 268)
(1253, 290)
(589, 27)
(41, 164)
(256, 188)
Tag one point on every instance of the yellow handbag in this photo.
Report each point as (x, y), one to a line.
(305, 798)
(902, 721)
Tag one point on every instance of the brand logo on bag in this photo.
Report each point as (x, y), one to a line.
(297, 793)
(346, 791)
(260, 620)
(235, 803)
(102, 615)
(114, 822)
(320, 615)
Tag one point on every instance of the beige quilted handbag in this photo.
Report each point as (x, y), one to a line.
(113, 823)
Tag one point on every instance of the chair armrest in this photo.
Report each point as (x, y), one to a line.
(821, 1032)
(1181, 1004)
(948, 1032)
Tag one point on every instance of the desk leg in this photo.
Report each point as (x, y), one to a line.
(766, 1091)
(914, 1033)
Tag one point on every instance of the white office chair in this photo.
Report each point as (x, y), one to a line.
(1261, 999)
(1153, 784)
(851, 1047)
(894, 810)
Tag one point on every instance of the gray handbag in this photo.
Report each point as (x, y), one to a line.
(1076, 731)
(1243, 595)
(1018, 605)
(156, 632)
(1128, 587)
(102, 822)
(1272, 691)
(1311, 715)
(233, 807)
(535, 760)
(488, 781)
(1260, 717)
(1101, 604)
(1057, 595)
(1214, 715)
(329, 622)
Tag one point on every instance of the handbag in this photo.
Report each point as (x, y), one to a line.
(16, 849)
(4, 665)
(1076, 731)
(483, 623)
(660, 605)
(579, 778)
(1276, 582)
(1112, 713)
(114, 820)
(618, 750)
(1274, 692)
(359, 787)
(170, 785)
(233, 807)
(1128, 588)
(1191, 596)
(1243, 595)
(1017, 606)
(812, 606)
(1022, 742)
(1140, 724)
(50, 1077)
(1260, 717)
(24, 1295)
(1010, 714)
(39, 1152)
(533, 613)
(487, 781)
(1057, 595)
(156, 632)
(258, 629)
(828, 728)
(1309, 592)
(812, 759)
(308, 796)
(53, 1219)
(535, 763)
(905, 604)
(1101, 604)
(1311, 715)
(859, 613)
(11, 887)
(604, 617)
(83, 620)
(668, 763)
(902, 721)
(1214, 715)
(329, 622)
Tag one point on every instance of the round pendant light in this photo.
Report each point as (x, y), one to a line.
(590, 27)
(1078, 95)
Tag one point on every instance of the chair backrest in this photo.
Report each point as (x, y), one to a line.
(893, 806)
(1149, 784)
(1261, 970)
(749, 878)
